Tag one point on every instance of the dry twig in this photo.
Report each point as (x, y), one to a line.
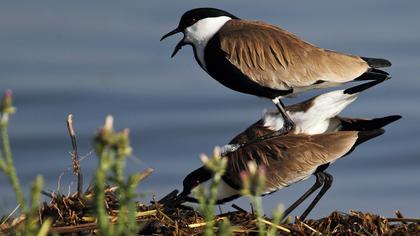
(75, 156)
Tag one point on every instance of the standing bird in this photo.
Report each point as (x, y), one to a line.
(290, 158)
(264, 60)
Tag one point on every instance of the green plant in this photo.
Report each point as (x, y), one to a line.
(30, 226)
(207, 197)
(277, 215)
(225, 228)
(112, 149)
(6, 160)
(253, 182)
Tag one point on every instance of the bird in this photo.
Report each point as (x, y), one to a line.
(295, 156)
(316, 115)
(261, 59)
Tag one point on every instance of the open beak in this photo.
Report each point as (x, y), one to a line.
(175, 31)
(180, 43)
(178, 47)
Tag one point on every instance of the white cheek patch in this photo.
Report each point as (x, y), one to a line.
(201, 32)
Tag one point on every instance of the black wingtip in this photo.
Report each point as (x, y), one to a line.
(377, 62)
(364, 136)
(362, 87)
(355, 124)
(373, 74)
(381, 122)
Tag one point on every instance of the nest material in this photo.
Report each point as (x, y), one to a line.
(72, 216)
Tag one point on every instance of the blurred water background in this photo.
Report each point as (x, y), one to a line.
(94, 58)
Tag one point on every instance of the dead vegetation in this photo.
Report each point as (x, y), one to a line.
(73, 216)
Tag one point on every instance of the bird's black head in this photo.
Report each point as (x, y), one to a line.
(190, 18)
(191, 181)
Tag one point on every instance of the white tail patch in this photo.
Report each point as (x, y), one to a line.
(318, 118)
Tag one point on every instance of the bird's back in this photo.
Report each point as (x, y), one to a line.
(290, 158)
(275, 58)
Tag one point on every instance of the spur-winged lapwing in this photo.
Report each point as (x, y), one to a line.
(313, 116)
(257, 58)
(295, 156)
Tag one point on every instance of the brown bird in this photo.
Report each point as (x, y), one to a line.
(297, 155)
(316, 115)
(257, 58)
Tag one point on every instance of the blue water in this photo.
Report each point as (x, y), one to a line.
(94, 58)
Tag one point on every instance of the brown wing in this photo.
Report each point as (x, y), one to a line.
(278, 59)
(252, 132)
(290, 158)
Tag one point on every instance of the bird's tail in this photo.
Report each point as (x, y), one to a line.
(362, 87)
(363, 136)
(332, 103)
(356, 124)
(313, 113)
(376, 62)
(373, 73)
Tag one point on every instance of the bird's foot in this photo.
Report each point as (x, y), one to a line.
(288, 126)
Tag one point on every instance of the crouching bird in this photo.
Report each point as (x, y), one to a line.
(264, 60)
(315, 143)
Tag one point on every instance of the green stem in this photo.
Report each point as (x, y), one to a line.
(131, 205)
(11, 172)
(100, 193)
(277, 214)
(31, 226)
(211, 202)
(119, 169)
(256, 201)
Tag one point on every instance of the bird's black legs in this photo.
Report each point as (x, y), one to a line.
(318, 183)
(287, 127)
(328, 179)
(288, 123)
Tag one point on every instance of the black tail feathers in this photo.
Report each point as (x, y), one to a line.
(349, 124)
(373, 74)
(364, 136)
(362, 87)
(377, 62)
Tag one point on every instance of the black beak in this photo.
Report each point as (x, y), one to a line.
(175, 31)
(178, 47)
(180, 43)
